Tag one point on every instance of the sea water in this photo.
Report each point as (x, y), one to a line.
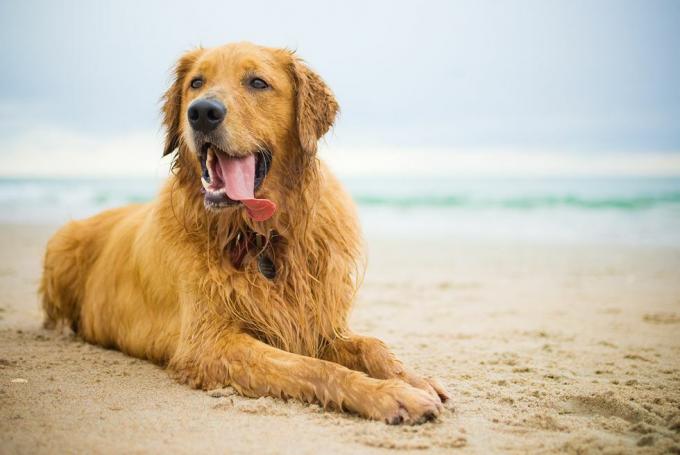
(621, 210)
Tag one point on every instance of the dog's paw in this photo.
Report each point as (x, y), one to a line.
(429, 385)
(397, 402)
(441, 392)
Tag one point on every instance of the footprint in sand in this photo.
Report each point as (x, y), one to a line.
(661, 318)
(607, 405)
(409, 438)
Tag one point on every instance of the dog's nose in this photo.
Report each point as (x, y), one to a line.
(205, 114)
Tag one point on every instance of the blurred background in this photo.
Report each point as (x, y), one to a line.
(518, 120)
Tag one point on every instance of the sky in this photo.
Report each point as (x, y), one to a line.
(81, 80)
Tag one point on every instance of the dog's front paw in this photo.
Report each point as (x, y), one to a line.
(396, 402)
(429, 385)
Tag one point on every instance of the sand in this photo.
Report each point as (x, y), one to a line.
(544, 348)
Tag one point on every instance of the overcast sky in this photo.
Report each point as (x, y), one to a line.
(577, 75)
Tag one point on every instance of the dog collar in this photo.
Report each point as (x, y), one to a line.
(261, 247)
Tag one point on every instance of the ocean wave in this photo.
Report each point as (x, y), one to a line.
(640, 202)
(627, 211)
(58, 198)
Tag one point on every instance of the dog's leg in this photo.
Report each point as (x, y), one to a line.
(374, 358)
(257, 369)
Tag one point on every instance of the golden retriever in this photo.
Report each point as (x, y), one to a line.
(243, 270)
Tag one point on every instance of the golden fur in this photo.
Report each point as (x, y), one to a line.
(156, 280)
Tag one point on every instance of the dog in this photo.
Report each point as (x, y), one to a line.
(243, 270)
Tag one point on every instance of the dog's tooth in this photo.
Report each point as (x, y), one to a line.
(209, 160)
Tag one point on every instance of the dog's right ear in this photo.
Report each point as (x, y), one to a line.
(172, 100)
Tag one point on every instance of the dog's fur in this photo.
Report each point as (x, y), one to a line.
(156, 280)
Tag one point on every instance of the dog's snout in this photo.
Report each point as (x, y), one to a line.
(205, 114)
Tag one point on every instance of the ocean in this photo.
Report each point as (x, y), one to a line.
(621, 210)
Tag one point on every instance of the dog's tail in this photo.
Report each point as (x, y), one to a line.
(63, 277)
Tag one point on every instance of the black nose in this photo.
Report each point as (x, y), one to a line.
(204, 115)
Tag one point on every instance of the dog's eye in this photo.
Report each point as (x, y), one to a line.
(258, 83)
(197, 83)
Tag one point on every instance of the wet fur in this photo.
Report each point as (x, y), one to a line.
(156, 280)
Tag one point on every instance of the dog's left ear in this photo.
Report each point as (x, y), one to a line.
(315, 103)
(172, 100)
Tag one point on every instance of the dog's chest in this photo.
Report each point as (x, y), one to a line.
(289, 310)
(286, 293)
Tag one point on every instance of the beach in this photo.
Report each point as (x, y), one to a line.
(544, 347)
(515, 168)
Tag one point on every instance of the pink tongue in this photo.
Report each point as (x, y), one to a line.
(239, 184)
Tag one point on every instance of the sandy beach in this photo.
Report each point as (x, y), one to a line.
(543, 347)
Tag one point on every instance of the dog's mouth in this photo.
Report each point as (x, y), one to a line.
(230, 180)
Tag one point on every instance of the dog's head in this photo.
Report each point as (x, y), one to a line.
(249, 118)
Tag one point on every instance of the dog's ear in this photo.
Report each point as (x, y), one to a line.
(172, 100)
(315, 103)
